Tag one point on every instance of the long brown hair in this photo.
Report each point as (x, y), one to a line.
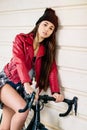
(47, 59)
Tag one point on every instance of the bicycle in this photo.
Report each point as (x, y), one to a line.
(35, 123)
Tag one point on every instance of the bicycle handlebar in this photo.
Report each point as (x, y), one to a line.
(70, 103)
(46, 98)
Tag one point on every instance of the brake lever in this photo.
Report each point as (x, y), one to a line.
(70, 105)
(75, 105)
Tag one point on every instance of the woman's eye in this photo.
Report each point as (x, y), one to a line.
(45, 24)
(51, 28)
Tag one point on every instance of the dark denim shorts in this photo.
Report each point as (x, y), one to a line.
(5, 80)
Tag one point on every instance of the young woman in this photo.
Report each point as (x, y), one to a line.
(33, 54)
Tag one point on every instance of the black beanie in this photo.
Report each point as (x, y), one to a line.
(50, 16)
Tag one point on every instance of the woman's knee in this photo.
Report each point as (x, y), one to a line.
(14, 101)
(21, 115)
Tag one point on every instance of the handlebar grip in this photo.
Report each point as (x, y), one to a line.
(46, 98)
(30, 100)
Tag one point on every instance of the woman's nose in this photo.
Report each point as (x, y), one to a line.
(46, 29)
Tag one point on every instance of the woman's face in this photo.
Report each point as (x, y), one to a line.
(45, 29)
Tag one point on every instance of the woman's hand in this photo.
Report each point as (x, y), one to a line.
(29, 90)
(58, 97)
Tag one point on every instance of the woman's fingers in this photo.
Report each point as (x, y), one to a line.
(58, 97)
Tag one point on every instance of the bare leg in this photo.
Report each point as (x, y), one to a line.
(14, 101)
(6, 120)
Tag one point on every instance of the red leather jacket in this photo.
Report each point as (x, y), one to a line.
(18, 68)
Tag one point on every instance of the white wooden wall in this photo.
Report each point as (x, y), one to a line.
(20, 16)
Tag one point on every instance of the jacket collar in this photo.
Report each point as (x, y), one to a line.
(41, 51)
(30, 38)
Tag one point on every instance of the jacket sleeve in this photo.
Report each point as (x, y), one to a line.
(53, 79)
(19, 59)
